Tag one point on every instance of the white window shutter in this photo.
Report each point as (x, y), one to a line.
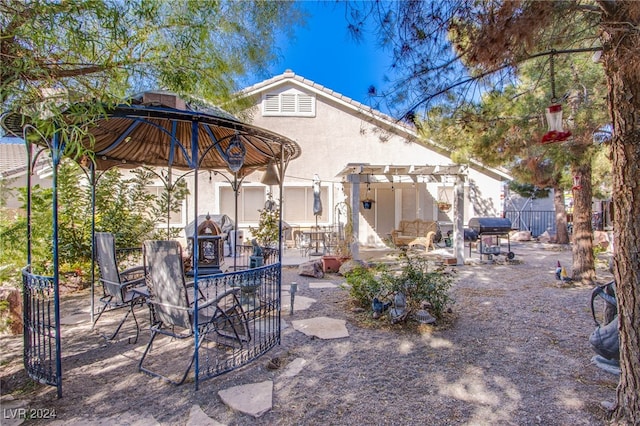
(305, 104)
(288, 103)
(272, 104)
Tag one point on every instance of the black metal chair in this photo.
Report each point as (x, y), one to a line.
(122, 289)
(221, 318)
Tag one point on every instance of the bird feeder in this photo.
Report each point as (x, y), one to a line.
(554, 120)
(554, 114)
(577, 182)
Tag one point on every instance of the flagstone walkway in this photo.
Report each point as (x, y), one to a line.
(255, 399)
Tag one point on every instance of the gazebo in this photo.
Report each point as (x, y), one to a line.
(158, 129)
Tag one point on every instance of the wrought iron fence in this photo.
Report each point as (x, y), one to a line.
(242, 258)
(261, 301)
(238, 336)
(42, 358)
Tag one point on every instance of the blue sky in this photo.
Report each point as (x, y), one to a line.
(323, 52)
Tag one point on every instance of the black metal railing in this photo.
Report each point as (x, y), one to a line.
(243, 256)
(42, 359)
(260, 299)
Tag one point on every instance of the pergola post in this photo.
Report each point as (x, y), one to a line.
(355, 215)
(458, 220)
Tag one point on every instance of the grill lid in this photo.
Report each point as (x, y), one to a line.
(490, 225)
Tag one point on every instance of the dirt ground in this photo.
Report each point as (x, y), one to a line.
(514, 351)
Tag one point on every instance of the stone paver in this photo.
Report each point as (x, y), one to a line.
(11, 414)
(300, 303)
(322, 284)
(322, 327)
(253, 399)
(197, 417)
(293, 368)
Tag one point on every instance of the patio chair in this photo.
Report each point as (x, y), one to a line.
(122, 289)
(221, 318)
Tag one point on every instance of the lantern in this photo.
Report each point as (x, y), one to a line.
(235, 153)
(554, 120)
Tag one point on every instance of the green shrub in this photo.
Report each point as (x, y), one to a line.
(365, 283)
(417, 279)
(420, 282)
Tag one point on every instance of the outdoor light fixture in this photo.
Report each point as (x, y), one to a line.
(270, 176)
(235, 153)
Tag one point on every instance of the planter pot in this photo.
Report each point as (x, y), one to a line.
(445, 207)
(332, 263)
(366, 204)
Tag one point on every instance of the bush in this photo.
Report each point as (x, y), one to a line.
(418, 280)
(365, 283)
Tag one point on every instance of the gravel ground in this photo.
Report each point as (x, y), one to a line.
(514, 351)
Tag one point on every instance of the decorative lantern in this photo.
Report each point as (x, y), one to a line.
(235, 153)
(554, 120)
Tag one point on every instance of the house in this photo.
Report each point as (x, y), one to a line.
(355, 150)
(351, 152)
(13, 172)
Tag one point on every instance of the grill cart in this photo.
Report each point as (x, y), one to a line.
(494, 228)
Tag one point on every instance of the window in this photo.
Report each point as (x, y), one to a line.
(291, 102)
(250, 200)
(298, 205)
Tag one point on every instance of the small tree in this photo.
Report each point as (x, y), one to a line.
(268, 231)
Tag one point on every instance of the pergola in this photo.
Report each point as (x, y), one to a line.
(357, 173)
(151, 129)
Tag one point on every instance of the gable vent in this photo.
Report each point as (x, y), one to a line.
(289, 103)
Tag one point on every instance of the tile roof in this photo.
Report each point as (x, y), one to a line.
(13, 158)
(289, 75)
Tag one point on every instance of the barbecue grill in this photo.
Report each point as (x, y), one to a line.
(497, 227)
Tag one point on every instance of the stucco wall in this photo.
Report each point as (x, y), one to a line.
(339, 135)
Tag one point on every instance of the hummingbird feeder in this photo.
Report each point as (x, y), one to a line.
(577, 182)
(554, 115)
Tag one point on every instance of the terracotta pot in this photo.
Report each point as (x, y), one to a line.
(445, 207)
(332, 263)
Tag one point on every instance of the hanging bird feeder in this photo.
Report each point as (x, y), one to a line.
(554, 114)
(577, 182)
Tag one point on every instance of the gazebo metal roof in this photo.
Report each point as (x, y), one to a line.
(159, 129)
